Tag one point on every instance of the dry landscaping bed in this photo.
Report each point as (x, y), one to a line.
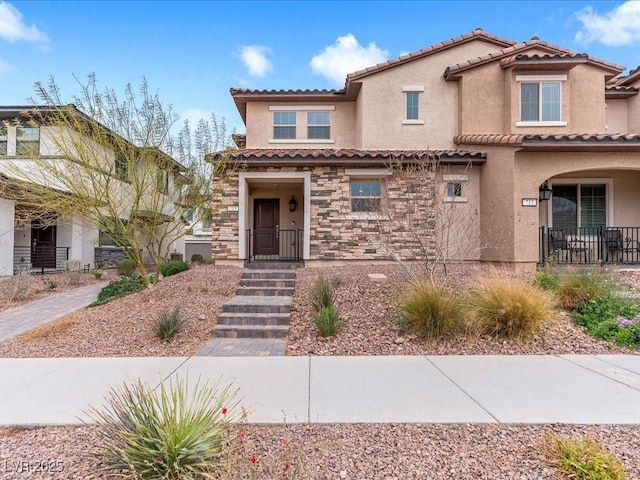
(123, 327)
(367, 310)
(371, 452)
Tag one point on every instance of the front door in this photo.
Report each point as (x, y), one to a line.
(266, 220)
(43, 245)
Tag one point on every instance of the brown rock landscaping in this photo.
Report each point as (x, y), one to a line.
(316, 451)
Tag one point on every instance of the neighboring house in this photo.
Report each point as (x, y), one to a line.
(511, 124)
(197, 239)
(41, 241)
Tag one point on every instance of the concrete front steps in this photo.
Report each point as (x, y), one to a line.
(262, 305)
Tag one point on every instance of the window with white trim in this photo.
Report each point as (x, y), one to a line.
(3, 140)
(319, 125)
(366, 195)
(27, 140)
(541, 100)
(284, 125)
(576, 205)
(413, 106)
(454, 189)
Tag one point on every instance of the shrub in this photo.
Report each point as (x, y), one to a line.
(170, 432)
(74, 272)
(197, 258)
(126, 267)
(119, 288)
(97, 273)
(172, 268)
(546, 280)
(507, 307)
(327, 320)
(583, 459)
(323, 292)
(16, 287)
(611, 318)
(167, 324)
(428, 310)
(50, 283)
(49, 330)
(578, 288)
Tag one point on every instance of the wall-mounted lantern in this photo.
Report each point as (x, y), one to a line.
(544, 192)
(292, 204)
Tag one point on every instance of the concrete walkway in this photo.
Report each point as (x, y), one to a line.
(21, 319)
(575, 389)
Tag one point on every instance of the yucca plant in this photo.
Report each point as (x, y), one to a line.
(509, 307)
(167, 324)
(327, 320)
(583, 459)
(171, 432)
(429, 311)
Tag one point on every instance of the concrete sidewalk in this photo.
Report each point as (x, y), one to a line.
(21, 319)
(578, 389)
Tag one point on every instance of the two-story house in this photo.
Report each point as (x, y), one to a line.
(36, 238)
(538, 147)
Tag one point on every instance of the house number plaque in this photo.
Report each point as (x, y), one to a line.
(529, 202)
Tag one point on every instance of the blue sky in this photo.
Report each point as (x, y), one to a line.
(193, 52)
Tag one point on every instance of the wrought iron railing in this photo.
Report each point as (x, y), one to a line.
(589, 245)
(39, 259)
(284, 245)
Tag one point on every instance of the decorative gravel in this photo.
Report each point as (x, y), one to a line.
(369, 328)
(357, 451)
(123, 327)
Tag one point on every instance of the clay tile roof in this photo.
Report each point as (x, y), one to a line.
(514, 52)
(634, 76)
(615, 91)
(530, 139)
(478, 33)
(252, 91)
(305, 155)
(549, 57)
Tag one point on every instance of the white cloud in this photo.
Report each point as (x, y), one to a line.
(13, 28)
(255, 59)
(620, 26)
(346, 55)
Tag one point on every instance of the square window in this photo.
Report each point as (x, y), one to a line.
(27, 140)
(454, 189)
(284, 125)
(318, 125)
(540, 102)
(366, 195)
(413, 110)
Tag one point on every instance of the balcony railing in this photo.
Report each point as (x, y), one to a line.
(283, 245)
(590, 245)
(40, 259)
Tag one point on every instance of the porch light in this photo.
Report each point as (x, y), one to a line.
(292, 204)
(545, 192)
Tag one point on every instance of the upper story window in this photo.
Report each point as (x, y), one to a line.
(412, 104)
(366, 195)
(318, 125)
(3, 140)
(413, 110)
(27, 140)
(541, 100)
(284, 125)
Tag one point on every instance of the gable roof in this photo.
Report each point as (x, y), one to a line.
(477, 34)
(634, 76)
(514, 54)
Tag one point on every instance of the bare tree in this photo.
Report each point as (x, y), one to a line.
(109, 167)
(422, 227)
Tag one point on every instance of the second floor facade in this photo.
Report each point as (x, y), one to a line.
(477, 83)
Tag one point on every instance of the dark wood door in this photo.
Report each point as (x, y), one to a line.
(43, 245)
(266, 220)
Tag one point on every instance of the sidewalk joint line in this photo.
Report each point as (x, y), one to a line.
(462, 389)
(602, 374)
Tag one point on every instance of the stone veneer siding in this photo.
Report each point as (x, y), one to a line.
(336, 232)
